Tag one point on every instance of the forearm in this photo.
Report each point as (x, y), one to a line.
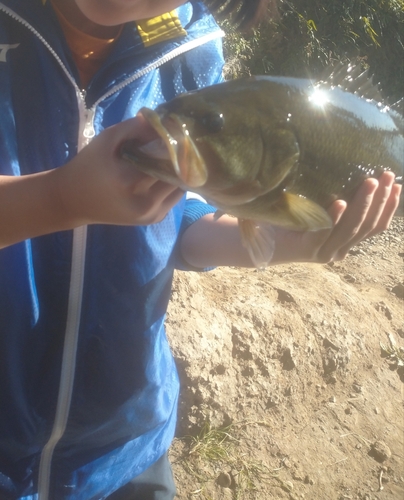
(30, 206)
(212, 243)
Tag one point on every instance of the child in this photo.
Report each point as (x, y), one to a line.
(88, 386)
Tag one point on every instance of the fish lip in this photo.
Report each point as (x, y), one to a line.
(154, 120)
(188, 165)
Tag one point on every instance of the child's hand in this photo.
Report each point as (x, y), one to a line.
(97, 186)
(370, 212)
(216, 242)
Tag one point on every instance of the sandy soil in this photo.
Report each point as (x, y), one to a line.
(286, 388)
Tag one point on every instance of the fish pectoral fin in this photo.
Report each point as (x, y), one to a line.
(258, 239)
(297, 212)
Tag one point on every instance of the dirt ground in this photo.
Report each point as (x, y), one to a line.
(292, 378)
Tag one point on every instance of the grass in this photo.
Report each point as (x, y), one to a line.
(216, 450)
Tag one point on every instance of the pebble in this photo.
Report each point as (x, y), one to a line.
(308, 480)
(380, 451)
(298, 475)
(289, 485)
(284, 296)
(398, 290)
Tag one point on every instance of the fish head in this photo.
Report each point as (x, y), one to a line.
(219, 142)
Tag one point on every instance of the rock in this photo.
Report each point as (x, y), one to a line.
(329, 363)
(219, 369)
(356, 251)
(382, 307)
(298, 475)
(398, 290)
(328, 343)
(248, 371)
(380, 451)
(286, 360)
(273, 401)
(224, 480)
(284, 296)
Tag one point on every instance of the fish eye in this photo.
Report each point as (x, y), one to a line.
(213, 122)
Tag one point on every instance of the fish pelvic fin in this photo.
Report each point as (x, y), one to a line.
(297, 212)
(258, 239)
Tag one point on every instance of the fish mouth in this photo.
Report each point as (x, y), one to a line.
(173, 157)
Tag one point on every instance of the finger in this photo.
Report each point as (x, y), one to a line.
(165, 196)
(350, 221)
(173, 198)
(336, 210)
(161, 190)
(377, 214)
(166, 201)
(388, 213)
(316, 239)
(143, 183)
(377, 206)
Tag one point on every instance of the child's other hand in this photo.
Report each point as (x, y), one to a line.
(369, 213)
(97, 186)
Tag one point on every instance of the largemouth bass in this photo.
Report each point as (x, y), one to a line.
(275, 150)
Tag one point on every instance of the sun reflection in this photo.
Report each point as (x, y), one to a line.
(319, 98)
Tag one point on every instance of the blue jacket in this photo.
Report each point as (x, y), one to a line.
(88, 386)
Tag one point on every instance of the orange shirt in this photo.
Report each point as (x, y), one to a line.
(88, 51)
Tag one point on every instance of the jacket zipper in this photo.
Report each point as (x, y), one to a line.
(85, 134)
